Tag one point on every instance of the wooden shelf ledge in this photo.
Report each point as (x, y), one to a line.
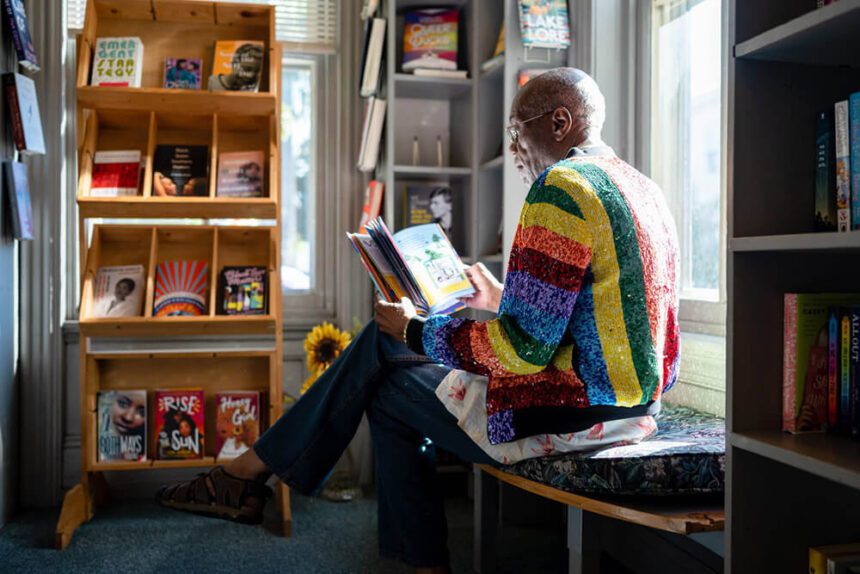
(189, 207)
(823, 36)
(121, 465)
(833, 457)
(430, 87)
(797, 242)
(431, 171)
(177, 101)
(167, 326)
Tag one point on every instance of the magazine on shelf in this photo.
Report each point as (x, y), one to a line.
(237, 66)
(119, 291)
(115, 173)
(237, 423)
(417, 262)
(122, 425)
(117, 62)
(430, 39)
(179, 423)
(180, 289)
(544, 24)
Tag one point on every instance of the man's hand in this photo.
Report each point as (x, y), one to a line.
(488, 290)
(393, 317)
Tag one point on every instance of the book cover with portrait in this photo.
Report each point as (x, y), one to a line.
(237, 66)
(237, 423)
(183, 73)
(179, 423)
(121, 425)
(180, 171)
(180, 288)
(242, 291)
(431, 204)
(119, 291)
(240, 174)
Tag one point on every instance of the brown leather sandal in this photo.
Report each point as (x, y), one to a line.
(217, 493)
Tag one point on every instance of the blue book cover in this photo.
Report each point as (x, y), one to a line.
(18, 192)
(844, 369)
(19, 28)
(854, 136)
(854, 345)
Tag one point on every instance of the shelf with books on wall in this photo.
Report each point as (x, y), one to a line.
(792, 64)
(172, 280)
(431, 88)
(182, 101)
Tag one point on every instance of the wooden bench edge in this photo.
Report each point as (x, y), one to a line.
(675, 520)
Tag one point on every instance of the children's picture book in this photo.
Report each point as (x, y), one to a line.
(117, 62)
(121, 431)
(115, 173)
(237, 66)
(179, 423)
(237, 423)
(430, 39)
(180, 288)
(19, 28)
(417, 262)
(24, 113)
(243, 291)
(119, 291)
(18, 192)
(544, 24)
(183, 73)
(430, 204)
(825, 173)
(240, 174)
(180, 171)
(372, 203)
(843, 167)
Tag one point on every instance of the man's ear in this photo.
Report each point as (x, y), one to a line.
(562, 123)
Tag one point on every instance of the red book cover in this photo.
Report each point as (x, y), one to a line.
(237, 423)
(372, 203)
(179, 423)
(115, 173)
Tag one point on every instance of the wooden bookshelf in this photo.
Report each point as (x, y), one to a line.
(109, 118)
(785, 492)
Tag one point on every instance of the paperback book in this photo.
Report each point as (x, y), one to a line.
(237, 423)
(18, 192)
(179, 423)
(242, 291)
(843, 167)
(19, 28)
(180, 289)
(374, 42)
(237, 66)
(417, 262)
(118, 62)
(854, 137)
(240, 174)
(430, 204)
(115, 173)
(24, 114)
(372, 203)
(119, 291)
(430, 39)
(183, 73)
(544, 24)
(825, 173)
(374, 120)
(121, 425)
(180, 171)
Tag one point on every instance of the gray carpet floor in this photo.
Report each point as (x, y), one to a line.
(139, 537)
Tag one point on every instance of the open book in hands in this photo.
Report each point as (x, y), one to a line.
(418, 262)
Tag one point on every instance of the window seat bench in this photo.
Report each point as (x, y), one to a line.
(672, 482)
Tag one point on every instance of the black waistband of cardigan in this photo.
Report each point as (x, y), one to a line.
(565, 419)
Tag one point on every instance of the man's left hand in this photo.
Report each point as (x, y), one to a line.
(393, 317)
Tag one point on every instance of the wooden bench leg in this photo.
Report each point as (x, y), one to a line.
(486, 520)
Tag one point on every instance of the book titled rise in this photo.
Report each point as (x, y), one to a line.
(237, 423)
(179, 422)
(121, 417)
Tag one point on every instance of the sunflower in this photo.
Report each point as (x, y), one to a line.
(323, 345)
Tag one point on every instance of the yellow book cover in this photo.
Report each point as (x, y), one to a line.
(500, 43)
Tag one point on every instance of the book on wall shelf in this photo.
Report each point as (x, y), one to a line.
(369, 8)
(417, 262)
(116, 173)
(237, 66)
(374, 119)
(374, 42)
(430, 39)
(430, 204)
(544, 24)
(372, 203)
(843, 167)
(854, 165)
(825, 173)
(237, 423)
(837, 166)
(118, 62)
(498, 56)
(243, 291)
(19, 28)
(240, 174)
(23, 105)
(122, 429)
(179, 420)
(180, 289)
(118, 291)
(183, 73)
(179, 171)
(18, 192)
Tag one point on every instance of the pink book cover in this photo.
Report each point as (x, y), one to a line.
(240, 174)
(789, 363)
(237, 423)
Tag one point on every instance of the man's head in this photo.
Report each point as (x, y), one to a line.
(441, 202)
(553, 112)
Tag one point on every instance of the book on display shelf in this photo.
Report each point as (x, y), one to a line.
(179, 420)
(117, 62)
(237, 423)
(430, 39)
(119, 291)
(121, 418)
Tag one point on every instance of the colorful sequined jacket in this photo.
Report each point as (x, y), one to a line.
(587, 328)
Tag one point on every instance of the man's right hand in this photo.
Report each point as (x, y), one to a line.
(488, 290)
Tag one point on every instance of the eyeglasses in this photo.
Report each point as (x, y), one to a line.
(514, 132)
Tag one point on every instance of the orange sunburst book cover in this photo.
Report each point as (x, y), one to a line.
(179, 423)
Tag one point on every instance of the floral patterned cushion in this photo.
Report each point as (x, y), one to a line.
(685, 456)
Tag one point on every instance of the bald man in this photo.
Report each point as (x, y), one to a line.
(583, 343)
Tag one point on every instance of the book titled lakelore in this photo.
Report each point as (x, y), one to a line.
(179, 423)
(417, 262)
(118, 62)
(544, 24)
(122, 425)
(240, 174)
(430, 39)
(180, 170)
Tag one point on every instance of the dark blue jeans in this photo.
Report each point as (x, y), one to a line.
(396, 388)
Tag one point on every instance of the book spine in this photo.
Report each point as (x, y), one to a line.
(789, 364)
(854, 118)
(14, 111)
(855, 376)
(844, 370)
(825, 174)
(843, 167)
(832, 370)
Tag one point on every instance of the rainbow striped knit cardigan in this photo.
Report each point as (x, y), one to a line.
(588, 315)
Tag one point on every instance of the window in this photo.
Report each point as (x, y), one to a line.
(686, 135)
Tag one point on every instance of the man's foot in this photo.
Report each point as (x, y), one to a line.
(220, 494)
